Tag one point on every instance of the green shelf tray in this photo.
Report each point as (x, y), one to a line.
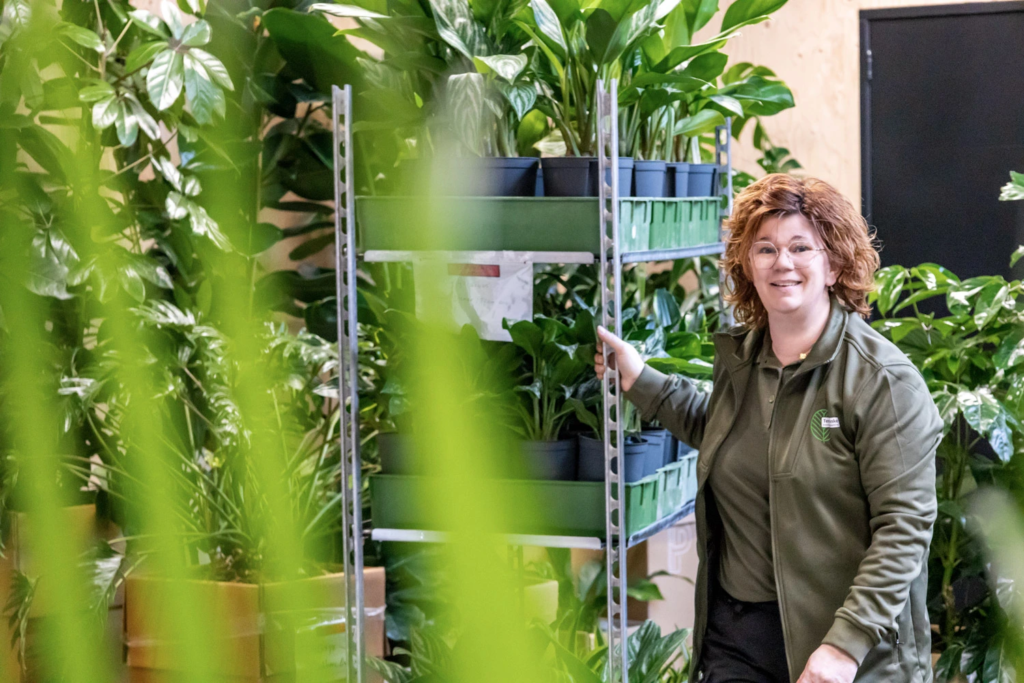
(565, 508)
(541, 224)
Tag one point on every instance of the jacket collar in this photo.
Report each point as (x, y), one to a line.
(740, 346)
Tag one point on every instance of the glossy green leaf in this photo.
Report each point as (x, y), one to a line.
(547, 22)
(507, 67)
(746, 12)
(83, 36)
(706, 67)
(196, 34)
(143, 55)
(149, 22)
(165, 79)
(680, 54)
(105, 112)
(126, 125)
(146, 122)
(459, 28)
(349, 11)
(990, 302)
(1013, 191)
(521, 97)
(214, 67)
(99, 90)
(988, 416)
(467, 94)
(890, 285)
(666, 309)
(702, 122)
(204, 98)
(698, 13)
(310, 46)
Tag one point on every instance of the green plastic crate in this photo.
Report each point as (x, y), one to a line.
(677, 485)
(668, 224)
(564, 508)
(634, 224)
(530, 223)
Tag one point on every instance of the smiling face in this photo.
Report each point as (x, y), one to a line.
(785, 289)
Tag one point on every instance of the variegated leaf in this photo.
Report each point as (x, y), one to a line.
(165, 79)
(505, 66)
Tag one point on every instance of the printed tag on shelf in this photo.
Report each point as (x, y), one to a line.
(481, 294)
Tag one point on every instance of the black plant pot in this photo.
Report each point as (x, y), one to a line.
(551, 460)
(577, 176)
(510, 176)
(471, 177)
(625, 177)
(702, 180)
(649, 178)
(671, 449)
(683, 451)
(591, 463)
(396, 454)
(678, 179)
(655, 459)
(566, 176)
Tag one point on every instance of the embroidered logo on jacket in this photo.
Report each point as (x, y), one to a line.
(821, 423)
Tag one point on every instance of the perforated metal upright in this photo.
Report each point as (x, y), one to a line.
(348, 380)
(610, 260)
(610, 282)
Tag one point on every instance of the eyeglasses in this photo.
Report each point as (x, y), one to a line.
(765, 254)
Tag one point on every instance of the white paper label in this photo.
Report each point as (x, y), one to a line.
(829, 422)
(482, 294)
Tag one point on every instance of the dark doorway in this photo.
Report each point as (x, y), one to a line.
(942, 124)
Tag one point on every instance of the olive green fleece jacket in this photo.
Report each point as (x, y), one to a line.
(851, 456)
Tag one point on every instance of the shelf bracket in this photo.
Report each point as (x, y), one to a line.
(348, 380)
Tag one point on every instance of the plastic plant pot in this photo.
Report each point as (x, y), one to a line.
(655, 458)
(649, 178)
(396, 454)
(625, 177)
(551, 460)
(677, 177)
(566, 176)
(510, 176)
(701, 181)
(591, 462)
(671, 449)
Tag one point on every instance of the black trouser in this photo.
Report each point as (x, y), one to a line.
(743, 642)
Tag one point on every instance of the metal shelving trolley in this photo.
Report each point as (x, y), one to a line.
(606, 244)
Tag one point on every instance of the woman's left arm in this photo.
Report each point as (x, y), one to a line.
(898, 430)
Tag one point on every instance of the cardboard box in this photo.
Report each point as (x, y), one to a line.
(674, 550)
(263, 631)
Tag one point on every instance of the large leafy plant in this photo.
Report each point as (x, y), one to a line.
(557, 356)
(447, 63)
(967, 338)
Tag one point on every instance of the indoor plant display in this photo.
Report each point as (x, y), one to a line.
(587, 405)
(463, 76)
(555, 361)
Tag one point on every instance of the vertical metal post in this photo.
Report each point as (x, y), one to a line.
(723, 158)
(348, 376)
(610, 280)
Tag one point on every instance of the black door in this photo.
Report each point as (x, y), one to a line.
(942, 124)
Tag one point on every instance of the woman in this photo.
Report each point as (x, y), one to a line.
(817, 457)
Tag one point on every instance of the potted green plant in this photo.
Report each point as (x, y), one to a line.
(555, 359)
(580, 47)
(463, 74)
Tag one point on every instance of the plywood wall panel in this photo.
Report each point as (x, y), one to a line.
(814, 45)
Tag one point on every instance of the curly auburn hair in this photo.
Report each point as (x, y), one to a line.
(844, 232)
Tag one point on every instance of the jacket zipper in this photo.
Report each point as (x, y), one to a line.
(779, 593)
(896, 653)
